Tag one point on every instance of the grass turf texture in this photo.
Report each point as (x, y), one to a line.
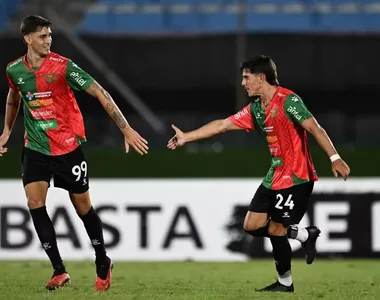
(325, 279)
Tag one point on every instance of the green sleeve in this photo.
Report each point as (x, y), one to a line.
(296, 110)
(76, 78)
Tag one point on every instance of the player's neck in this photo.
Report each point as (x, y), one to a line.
(268, 93)
(33, 59)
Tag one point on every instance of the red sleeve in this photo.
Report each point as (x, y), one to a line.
(11, 84)
(243, 118)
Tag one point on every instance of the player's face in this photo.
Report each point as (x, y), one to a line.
(252, 83)
(40, 41)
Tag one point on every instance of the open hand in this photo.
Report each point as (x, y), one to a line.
(3, 140)
(178, 140)
(133, 139)
(339, 167)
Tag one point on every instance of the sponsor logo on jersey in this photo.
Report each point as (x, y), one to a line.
(41, 113)
(76, 76)
(277, 162)
(273, 151)
(15, 62)
(42, 95)
(46, 125)
(29, 95)
(40, 102)
(49, 77)
(292, 110)
(41, 99)
(272, 139)
(268, 129)
(20, 81)
(241, 113)
(56, 59)
(70, 140)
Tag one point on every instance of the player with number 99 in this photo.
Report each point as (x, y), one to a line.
(54, 132)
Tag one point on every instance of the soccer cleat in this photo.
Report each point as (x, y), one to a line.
(310, 244)
(57, 281)
(103, 268)
(277, 287)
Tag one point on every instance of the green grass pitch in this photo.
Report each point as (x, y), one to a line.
(324, 279)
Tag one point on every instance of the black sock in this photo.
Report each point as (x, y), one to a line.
(261, 232)
(46, 233)
(282, 253)
(93, 226)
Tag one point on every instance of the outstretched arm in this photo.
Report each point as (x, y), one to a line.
(80, 80)
(96, 90)
(240, 121)
(131, 136)
(213, 128)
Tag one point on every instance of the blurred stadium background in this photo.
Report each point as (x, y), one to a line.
(176, 61)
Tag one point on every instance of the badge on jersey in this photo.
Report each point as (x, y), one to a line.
(49, 77)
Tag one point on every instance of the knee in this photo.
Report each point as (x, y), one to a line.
(252, 224)
(36, 194)
(277, 229)
(83, 208)
(35, 202)
(81, 203)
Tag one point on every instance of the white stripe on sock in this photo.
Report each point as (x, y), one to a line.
(302, 235)
(285, 279)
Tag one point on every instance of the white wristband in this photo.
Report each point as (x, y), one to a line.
(334, 157)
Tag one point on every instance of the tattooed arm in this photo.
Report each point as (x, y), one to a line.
(96, 90)
(131, 136)
(11, 110)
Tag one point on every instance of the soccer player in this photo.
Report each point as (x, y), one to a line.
(54, 131)
(282, 198)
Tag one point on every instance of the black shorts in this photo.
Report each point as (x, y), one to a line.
(69, 171)
(286, 206)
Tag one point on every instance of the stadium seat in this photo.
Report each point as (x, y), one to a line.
(360, 22)
(218, 22)
(7, 9)
(183, 22)
(222, 18)
(96, 22)
(138, 22)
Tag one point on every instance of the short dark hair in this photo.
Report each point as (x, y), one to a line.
(262, 64)
(33, 24)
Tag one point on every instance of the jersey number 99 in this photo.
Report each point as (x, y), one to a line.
(80, 170)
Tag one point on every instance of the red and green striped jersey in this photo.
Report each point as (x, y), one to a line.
(281, 123)
(53, 121)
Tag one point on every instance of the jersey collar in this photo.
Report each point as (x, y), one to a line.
(25, 61)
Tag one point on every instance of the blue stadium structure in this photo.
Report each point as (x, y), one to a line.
(220, 16)
(187, 16)
(7, 9)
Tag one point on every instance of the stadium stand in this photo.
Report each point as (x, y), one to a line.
(7, 9)
(117, 16)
